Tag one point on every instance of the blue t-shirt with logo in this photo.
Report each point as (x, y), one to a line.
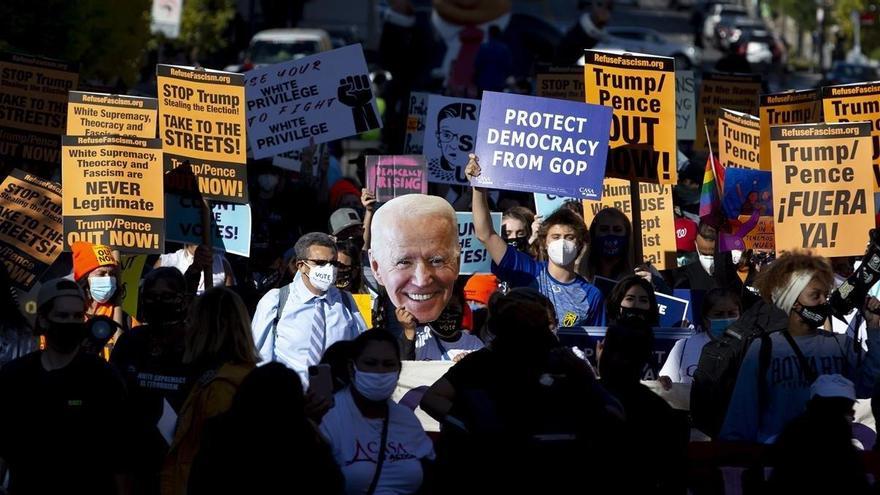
(577, 303)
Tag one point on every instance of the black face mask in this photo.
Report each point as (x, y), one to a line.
(64, 337)
(519, 243)
(447, 325)
(163, 314)
(637, 313)
(815, 316)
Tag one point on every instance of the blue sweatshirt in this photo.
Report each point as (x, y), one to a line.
(788, 388)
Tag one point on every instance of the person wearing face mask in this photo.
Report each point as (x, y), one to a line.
(721, 307)
(380, 445)
(563, 235)
(96, 270)
(516, 227)
(349, 275)
(444, 339)
(772, 390)
(633, 297)
(296, 323)
(58, 402)
(710, 269)
(150, 359)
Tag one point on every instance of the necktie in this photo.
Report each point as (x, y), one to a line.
(319, 332)
(461, 75)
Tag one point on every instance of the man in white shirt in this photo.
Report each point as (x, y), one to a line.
(314, 314)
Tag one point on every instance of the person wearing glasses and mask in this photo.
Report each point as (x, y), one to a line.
(349, 274)
(296, 323)
(444, 339)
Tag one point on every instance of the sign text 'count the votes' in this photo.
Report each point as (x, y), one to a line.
(822, 183)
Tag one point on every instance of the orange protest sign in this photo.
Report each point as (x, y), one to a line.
(98, 113)
(790, 107)
(34, 95)
(739, 136)
(822, 187)
(857, 103)
(113, 192)
(562, 83)
(30, 227)
(737, 92)
(658, 222)
(202, 128)
(641, 90)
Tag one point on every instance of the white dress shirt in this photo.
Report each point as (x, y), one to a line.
(290, 344)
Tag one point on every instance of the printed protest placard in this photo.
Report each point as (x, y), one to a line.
(415, 123)
(562, 83)
(854, 103)
(685, 105)
(230, 224)
(113, 192)
(31, 236)
(718, 90)
(202, 127)
(474, 255)
(19, 148)
(321, 97)
(390, 176)
(657, 229)
(747, 192)
(542, 145)
(822, 183)
(34, 96)
(132, 267)
(673, 310)
(450, 135)
(739, 140)
(790, 107)
(545, 204)
(641, 90)
(98, 113)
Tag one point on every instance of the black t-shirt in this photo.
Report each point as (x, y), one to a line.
(153, 370)
(62, 429)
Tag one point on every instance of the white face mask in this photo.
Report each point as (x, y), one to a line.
(708, 262)
(375, 386)
(322, 277)
(562, 252)
(735, 256)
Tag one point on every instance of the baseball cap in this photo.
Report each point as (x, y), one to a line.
(833, 386)
(342, 219)
(685, 234)
(59, 287)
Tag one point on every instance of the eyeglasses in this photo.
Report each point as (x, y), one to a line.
(323, 262)
(447, 136)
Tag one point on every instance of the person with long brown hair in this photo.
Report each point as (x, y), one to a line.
(220, 346)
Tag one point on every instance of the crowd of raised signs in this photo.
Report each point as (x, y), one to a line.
(416, 323)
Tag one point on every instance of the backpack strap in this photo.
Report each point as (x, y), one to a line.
(283, 294)
(808, 370)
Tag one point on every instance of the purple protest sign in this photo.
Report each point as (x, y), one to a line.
(389, 176)
(542, 145)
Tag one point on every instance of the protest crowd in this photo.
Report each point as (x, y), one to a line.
(510, 289)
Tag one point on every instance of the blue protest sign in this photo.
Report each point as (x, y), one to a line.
(542, 145)
(474, 256)
(673, 310)
(231, 224)
(545, 204)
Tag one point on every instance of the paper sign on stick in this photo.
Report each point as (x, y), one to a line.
(230, 224)
(685, 106)
(390, 176)
(97, 113)
(415, 123)
(450, 135)
(739, 136)
(721, 90)
(854, 103)
(790, 107)
(562, 83)
(474, 255)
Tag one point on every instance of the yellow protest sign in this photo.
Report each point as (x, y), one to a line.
(30, 227)
(822, 187)
(562, 83)
(790, 107)
(113, 192)
(641, 90)
(34, 95)
(658, 222)
(202, 128)
(857, 103)
(761, 238)
(739, 136)
(98, 113)
(737, 92)
(132, 267)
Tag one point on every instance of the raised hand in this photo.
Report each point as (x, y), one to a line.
(355, 91)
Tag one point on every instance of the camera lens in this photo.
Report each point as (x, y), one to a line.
(102, 330)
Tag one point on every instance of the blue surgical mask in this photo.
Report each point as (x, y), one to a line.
(717, 326)
(102, 288)
(610, 244)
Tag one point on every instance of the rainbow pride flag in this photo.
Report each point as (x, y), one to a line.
(713, 184)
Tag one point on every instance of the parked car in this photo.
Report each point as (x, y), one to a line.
(280, 45)
(644, 40)
(730, 32)
(721, 13)
(847, 73)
